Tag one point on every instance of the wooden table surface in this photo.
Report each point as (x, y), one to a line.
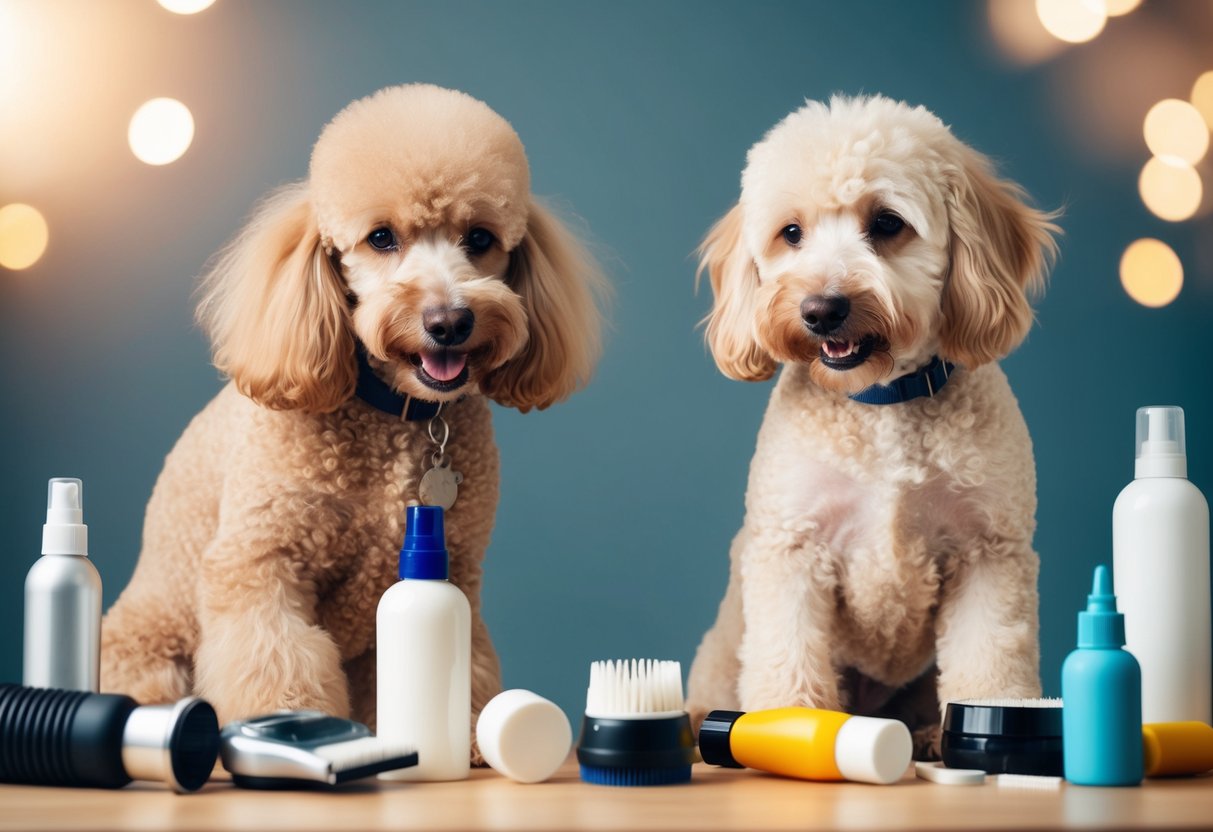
(716, 799)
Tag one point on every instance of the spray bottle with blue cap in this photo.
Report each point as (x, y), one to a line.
(1101, 696)
(423, 662)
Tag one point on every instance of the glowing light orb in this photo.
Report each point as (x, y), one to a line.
(161, 130)
(1151, 272)
(1202, 97)
(1118, 7)
(23, 236)
(189, 6)
(1074, 21)
(1176, 130)
(1171, 190)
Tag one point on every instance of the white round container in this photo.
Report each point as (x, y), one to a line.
(524, 736)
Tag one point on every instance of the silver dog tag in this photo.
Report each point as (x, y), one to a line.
(440, 485)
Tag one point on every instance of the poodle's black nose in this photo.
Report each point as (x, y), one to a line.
(822, 315)
(448, 327)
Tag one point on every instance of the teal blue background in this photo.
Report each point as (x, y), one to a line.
(619, 505)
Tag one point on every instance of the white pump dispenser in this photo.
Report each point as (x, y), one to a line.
(63, 598)
(1160, 551)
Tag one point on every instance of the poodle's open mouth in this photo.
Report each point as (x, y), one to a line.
(847, 355)
(442, 370)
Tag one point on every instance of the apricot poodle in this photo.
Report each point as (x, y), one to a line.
(886, 555)
(412, 270)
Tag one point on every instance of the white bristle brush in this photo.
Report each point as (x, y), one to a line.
(636, 731)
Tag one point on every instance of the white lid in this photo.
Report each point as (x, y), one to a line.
(1160, 442)
(65, 532)
(523, 736)
(871, 750)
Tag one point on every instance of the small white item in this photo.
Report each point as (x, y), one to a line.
(872, 750)
(1160, 569)
(523, 736)
(63, 599)
(1027, 781)
(939, 773)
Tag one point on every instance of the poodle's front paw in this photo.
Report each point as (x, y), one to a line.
(927, 743)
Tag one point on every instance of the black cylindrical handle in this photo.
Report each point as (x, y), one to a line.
(54, 737)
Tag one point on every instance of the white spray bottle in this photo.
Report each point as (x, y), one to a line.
(1160, 551)
(423, 633)
(63, 598)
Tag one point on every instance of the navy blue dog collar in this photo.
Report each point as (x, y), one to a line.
(926, 381)
(372, 390)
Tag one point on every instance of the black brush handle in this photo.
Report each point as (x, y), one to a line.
(54, 737)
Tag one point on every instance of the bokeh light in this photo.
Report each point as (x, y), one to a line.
(23, 236)
(1176, 130)
(1074, 21)
(161, 130)
(1202, 97)
(1151, 272)
(1017, 32)
(1118, 7)
(186, 6)
(1171, 190)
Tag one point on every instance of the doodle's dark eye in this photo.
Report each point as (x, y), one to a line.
(478, 240)
(886, 224)
(382, 239)
(792, 234)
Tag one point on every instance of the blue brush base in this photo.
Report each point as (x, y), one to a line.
(635, 776)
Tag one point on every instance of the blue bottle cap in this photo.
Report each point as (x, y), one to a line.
(1101, 625)
(423, 555)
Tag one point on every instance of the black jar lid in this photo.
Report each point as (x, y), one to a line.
(999, 718)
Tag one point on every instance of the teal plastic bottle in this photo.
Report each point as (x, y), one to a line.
(1101, 696)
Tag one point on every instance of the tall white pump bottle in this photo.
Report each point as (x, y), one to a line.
(1160, 552)
(423, 632)
(63, 598)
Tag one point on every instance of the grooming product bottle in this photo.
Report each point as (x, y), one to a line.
(54, 737)
(63, 598)
(424, 646)
(1101, 695)
(1176, 748)
(636, 731)
(809, 744)
(1160, 555)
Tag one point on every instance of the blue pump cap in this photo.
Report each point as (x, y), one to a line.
(1101, 625)
(423, 555)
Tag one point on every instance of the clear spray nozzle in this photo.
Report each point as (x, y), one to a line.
(1160, 442)
(64, 501)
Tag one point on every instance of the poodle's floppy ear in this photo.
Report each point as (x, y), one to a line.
(734, 279)
(559, 284)
(1001, 249)
(275, 310)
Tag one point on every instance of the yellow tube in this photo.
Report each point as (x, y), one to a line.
(1177, 748)
(794, 742)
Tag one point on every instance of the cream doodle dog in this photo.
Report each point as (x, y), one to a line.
(412, 268)
(886, 553)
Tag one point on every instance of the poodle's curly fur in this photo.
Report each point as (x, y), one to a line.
(886, 555)
(274, 527)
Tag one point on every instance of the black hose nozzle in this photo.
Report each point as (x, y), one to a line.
(54, 737)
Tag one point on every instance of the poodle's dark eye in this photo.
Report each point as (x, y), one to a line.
(382, 239)
(886, 224)
(478, 240)
(791, 234)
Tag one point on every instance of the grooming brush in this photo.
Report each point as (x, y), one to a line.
(305, 749)
(1004, 736)
(636, 731)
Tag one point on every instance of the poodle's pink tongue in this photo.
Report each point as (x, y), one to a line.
(840, 349)
(443, 365)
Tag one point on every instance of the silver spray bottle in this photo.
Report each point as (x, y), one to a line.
(63, 598)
